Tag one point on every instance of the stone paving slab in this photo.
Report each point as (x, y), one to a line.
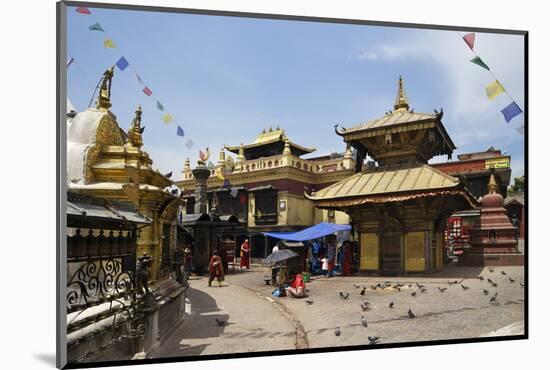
(254, 323)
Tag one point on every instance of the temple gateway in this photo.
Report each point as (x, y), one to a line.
(398, 204)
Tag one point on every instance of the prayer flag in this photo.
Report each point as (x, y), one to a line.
(108, 43)
(83, 10)
(96, 27)
(122, 63)
(180, 131)
(234, 192)
(160, 106)
(511, 111)
(167, 118)
(494, 89)
(189, 144)
(242, 199)
(210, 165)
(479, 62)
(520, 129)
(469, 39)
(147, 91)
(70, 61)
(139, 79)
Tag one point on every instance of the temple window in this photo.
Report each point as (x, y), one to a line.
(269, 164)
(431, 136)
(387, 139)
(266, 206)
(276, 163)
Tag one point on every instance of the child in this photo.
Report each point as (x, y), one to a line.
(324, 265)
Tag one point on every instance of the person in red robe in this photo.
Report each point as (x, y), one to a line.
(245, 254)
(348, 258)
(215, 269)
(298, 287)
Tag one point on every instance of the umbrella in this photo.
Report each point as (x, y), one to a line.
(279, 256)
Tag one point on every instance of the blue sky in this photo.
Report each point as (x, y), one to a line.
(224, 79)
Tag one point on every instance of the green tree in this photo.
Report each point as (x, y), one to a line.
(519, 185)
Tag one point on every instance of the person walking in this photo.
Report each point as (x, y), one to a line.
(215, 269)
(245, 254)
(347, 258)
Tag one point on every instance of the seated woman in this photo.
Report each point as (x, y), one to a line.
(298, 288)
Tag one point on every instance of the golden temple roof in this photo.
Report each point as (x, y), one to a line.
(389, 180)
(267, 137)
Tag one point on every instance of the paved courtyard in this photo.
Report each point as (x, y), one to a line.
(257, 322)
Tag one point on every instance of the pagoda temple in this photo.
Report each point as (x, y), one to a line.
(398, 205)
(104, 161)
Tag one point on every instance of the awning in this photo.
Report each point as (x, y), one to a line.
(313, 232)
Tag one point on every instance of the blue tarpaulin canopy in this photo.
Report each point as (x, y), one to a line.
(314, 232)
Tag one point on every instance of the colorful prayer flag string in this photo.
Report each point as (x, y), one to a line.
(109, 44)
(147, 91)
(180, 131)
(469, 40)
(494, 89)
(477, 60)
(511, 111)
(122, 63)
(160, 106)
(96, 27)
(167, 118)
(83, 10)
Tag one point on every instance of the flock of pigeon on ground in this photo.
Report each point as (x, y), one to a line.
(366, 306)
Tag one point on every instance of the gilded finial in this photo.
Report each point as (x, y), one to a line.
(270, 128)
(492, 186)
(104, 98)
(401, 100)
(135, 130)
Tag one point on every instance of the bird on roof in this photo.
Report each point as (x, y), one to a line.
(362, 292)
(442, 289)
(503, 272)
(494, 298)
(464, 287)
(491, 269)
(411, 314)
(141, 130)
(511, 280)
(309, 302)
(169, 174)
(337, 332)
(391, 305)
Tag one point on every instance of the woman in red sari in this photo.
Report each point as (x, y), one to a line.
(298, 288)
(215, 269)
(245, 254)
(348, 257)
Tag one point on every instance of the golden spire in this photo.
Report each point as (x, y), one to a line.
(135, 130)
(492, 187)
(401, 100)
(187, 165)
(104, 98)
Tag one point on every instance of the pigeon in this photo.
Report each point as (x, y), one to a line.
(309, 302)
(411, 314)
(373, 340)
(398, 289)
(511, 280)
(485, 291)
(420, 286)
(480, 277)
(362, 292)
(493, 298)
(373, 287)
(452, 282)
(442, 290)
(356, 286)
(365, 306)
(220, 322)
(423, 290)
(494, 284)
(344, 296)
(490, 281)
(391, 305)
(169, 174)
(141, 130)
(341, 294)
(337, 331)
(464, 287)
(491, 269)
(413, 294)
(364, 321)
(521, 284)
(503, 272)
